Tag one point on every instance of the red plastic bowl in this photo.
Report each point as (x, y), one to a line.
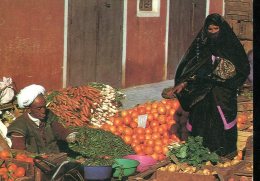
(145, 161)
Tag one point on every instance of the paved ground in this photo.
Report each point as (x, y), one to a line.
(148, 92)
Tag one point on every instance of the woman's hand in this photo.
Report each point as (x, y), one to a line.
(169, 93)
(178, 88)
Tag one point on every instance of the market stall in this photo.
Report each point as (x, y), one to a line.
(182, 161)
(125, 144)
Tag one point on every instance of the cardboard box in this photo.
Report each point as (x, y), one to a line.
(169, 176)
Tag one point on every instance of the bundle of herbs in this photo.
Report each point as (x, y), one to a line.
(98, 147)
(114, 93)
(193, 152)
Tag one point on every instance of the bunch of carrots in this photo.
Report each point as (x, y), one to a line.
(74, 105)
(84, 105)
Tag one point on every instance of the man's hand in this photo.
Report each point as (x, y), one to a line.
(71, 138)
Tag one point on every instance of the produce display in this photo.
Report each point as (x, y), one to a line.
(149, 139)
(105, 133)
(113, 96)
(193, 152)
(241, 120)
(192, 161)
(11, 171)
(187, 169)
(20, 156)
(13, 164)
(109, 104)
(74, 104)
(244, 119)
(92, 104)
(97, 147)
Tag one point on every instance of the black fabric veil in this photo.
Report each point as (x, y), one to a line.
(227, 46)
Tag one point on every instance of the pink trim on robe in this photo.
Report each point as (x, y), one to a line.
(189, 126)
(226, 124)
(213, 58)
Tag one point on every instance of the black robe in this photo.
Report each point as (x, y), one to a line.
(214, 69)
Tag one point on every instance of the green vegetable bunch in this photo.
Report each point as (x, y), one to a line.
(193, 152)
(119, 95)
(99, 147)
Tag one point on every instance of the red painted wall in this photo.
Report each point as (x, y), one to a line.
(31, 48)
(145, 49)
(31, 36)
(216, 6)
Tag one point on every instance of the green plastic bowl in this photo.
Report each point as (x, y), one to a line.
(124, 167)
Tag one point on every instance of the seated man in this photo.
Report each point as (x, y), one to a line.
(36, 130)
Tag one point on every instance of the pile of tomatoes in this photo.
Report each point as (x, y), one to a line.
(153, 139)
(6, 154)
(9, 170)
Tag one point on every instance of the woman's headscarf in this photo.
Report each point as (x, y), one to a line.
(225, 45)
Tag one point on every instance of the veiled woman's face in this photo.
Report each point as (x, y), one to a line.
(213, 28)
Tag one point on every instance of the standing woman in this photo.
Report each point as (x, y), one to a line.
(206, 84)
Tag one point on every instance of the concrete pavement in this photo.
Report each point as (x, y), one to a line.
(143, 93)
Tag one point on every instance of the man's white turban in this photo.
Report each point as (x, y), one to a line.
(27, 95)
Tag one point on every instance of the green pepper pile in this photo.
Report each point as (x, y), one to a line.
(99, 147)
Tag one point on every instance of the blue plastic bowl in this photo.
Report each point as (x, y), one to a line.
(97, 172)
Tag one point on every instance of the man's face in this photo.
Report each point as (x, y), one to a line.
(38, 107)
